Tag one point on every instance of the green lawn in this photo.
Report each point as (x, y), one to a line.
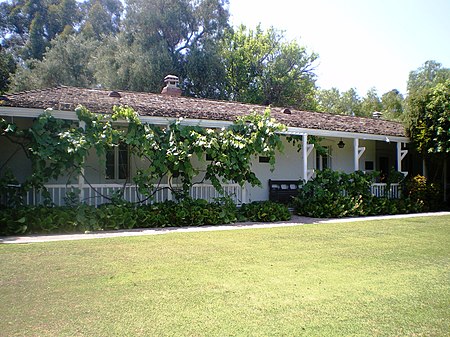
(377, 278)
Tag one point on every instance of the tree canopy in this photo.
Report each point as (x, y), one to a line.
(134, 44)
(428, 108)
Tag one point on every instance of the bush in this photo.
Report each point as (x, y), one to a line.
(81, 218)
(335, 194)
(429, 194)
(265, 211)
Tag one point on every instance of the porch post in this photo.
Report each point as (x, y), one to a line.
(305, 156)
(81, 181)
(244, 195)
(356, 153)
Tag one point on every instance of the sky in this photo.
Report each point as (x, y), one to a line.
(361, 43)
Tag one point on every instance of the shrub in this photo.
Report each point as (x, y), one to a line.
(80, 218)
(420, 190)
(335, 194)
(265, 211)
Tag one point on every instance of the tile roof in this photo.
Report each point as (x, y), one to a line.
(148, 104)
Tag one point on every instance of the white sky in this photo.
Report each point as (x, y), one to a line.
(361, 43)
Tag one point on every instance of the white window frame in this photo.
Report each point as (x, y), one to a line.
(117, 164)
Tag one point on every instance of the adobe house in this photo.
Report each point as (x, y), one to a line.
(352, 143)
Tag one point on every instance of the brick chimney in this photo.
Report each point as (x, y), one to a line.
(171, 87)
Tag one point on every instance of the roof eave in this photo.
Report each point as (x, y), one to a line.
(207, 123)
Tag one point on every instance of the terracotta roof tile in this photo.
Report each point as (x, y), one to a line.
(148, 104)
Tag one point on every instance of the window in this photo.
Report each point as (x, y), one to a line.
(323, 161)
(118, 162)
(264, 159)
(368, 166)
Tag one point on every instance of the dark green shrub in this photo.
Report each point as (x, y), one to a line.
(81, 218)
(335, 194)
(429, 194)
(265, 211)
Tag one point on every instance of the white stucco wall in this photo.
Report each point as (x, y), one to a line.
(289, 164)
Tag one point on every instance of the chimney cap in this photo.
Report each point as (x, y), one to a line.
(170, 77)
(171, 87)
(377, 114)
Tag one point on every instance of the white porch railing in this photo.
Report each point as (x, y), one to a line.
(97, 194)
(380, 190)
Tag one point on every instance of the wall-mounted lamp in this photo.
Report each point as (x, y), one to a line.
(341, 144)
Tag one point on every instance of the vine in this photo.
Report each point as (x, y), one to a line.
(57, 147)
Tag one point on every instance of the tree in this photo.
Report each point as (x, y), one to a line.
(29, 25)
(262, 68)
(178, 25)
(430, 130)
(428, 117)
(392, 105)
(426, 77)
(346, 103)
(420, 82)
(7, 67)
(204, 72)
(123, 63)
(67, 62)
(102, 17)
(351, 103)
(329, 100)
(371, 103)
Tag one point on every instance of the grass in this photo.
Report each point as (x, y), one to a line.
(377, 278)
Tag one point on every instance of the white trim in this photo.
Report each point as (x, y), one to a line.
(401, 154)
(32, 112)
(305, 156)
(361, 151)
(356, 154)
(208, 123)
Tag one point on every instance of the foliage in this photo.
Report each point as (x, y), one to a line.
(349, 103)
(430, 123)
(346, 103)
(67, 62)
(29, 26)
(7, 67)
(58, 147)
(265, 211)
(261, 68)
(371, 103)
(428, 194)
(124, 63)
(335, 194)
(157, 39)
(392, 103)
(134, 44)
(80, 218)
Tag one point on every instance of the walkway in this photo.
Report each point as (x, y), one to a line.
(295, 221)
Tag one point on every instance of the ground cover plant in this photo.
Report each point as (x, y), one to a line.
(374, 278)
(122, 215)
